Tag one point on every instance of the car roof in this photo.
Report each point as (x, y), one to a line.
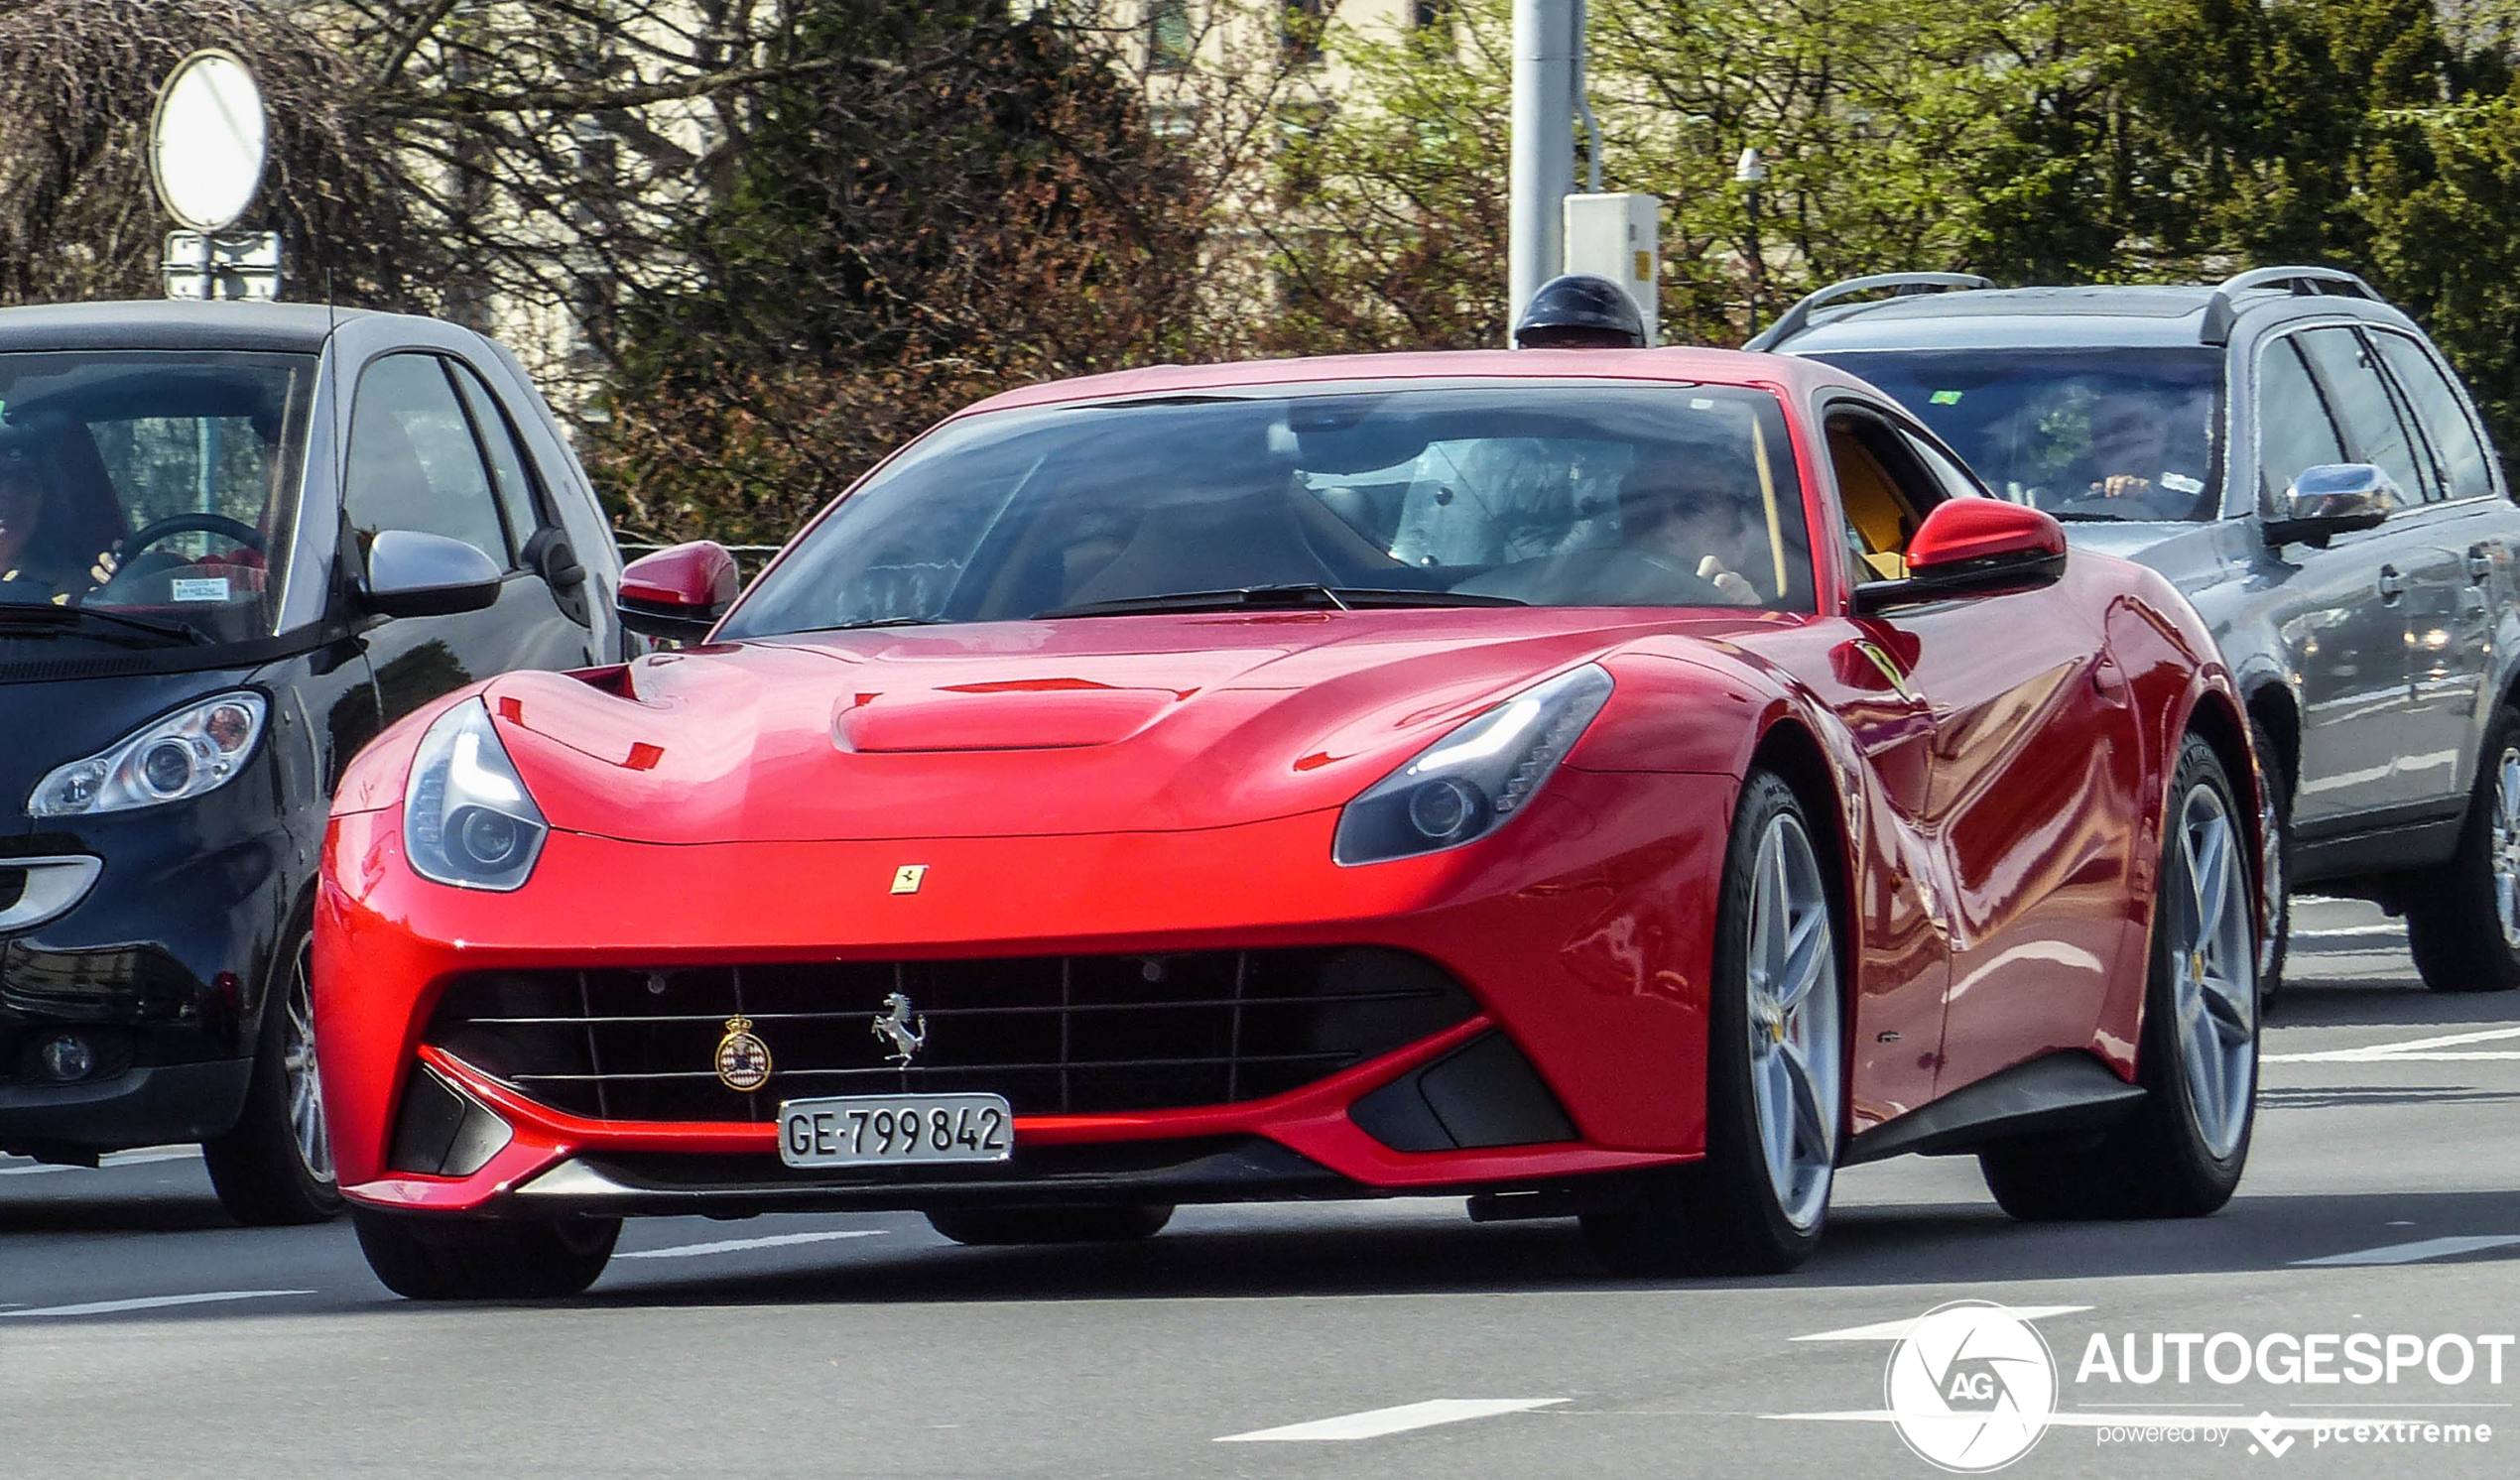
(1671, 366)
(163, 324)
(2129, 315)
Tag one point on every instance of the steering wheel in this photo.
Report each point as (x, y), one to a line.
(189, 523)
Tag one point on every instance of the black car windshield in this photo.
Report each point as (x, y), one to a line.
(1545, 494)
(2091, 433)
(149, 496)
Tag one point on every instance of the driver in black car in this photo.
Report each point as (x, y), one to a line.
(42, 547)
(1689, 515)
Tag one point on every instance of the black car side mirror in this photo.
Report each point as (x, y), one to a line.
(412, 574)
(2332, 499)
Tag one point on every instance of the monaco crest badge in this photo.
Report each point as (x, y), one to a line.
(743, 1060)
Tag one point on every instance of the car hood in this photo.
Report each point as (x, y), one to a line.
(1149, 723)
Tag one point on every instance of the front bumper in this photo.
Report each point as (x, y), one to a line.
(1583, 931)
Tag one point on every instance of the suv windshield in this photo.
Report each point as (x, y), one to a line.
(149, 496)
(1507, 493)
(2084, 434)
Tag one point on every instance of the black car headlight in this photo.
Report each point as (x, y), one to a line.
(1466, 785)
(467, 819)
(198, 748)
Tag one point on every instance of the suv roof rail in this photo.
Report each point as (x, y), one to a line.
(1795, 318)
(2301, 282)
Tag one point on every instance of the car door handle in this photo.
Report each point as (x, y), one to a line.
(2392, 586)
(2480, 562)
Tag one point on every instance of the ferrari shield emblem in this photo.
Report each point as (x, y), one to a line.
(743, 1060)
(908, 878)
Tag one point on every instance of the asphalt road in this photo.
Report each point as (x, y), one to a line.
(141, 1333)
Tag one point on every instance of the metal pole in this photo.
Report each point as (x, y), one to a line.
(210, 267)
(1543, 172)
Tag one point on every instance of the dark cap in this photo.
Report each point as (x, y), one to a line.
(1581, 312)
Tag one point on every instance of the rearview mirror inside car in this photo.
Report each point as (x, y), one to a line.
(679, 592)
(2332, 499)
(1968, 548)
(412, 574)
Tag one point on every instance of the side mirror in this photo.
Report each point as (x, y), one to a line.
(2333, 499)
(412, 574)
(678, 593)
(1971, 547)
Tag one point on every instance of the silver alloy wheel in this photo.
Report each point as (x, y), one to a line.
(2214, 979)
(1792, 1019)
(2507, 855)
(298, 1065)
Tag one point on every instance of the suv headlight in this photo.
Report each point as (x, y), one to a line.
(196, 749)
(467, 819)
(1466, 785)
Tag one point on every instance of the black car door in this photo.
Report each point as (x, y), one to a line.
(422, 458)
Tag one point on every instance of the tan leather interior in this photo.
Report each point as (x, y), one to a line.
(1882, 521)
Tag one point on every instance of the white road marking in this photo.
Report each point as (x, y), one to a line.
(1893, 1330)
(2414, 1051)
(2421, 1249)
(2341, 932)
(118, 1159)
(1377, 1423)
(152, 1303)
(730, 1245)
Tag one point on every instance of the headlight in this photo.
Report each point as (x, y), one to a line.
(196, 749)
(466, 818)
(1465, 785)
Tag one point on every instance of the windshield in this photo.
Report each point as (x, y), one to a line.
(155, 490)
(2090, 433)
(1540, 494)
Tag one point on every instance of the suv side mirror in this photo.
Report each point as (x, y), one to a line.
(1971, 547)
(2333, 499)
(680, 592)
(412, 574)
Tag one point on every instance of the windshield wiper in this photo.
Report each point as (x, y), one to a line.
(1293, 597)
(881, 622)
(45, 614)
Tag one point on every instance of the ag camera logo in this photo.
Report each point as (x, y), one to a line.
(1971, 1386)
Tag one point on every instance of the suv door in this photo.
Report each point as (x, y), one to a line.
(2345, 639)
(2420, 576)
(418, 461)
(2455, 668)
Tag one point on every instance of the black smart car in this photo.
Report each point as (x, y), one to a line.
(235, 541)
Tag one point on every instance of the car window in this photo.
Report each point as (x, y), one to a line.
(2085, 433)
(1879, 509)
(2456, 448)
(2365, 412)
(508, 467)
(2294, 432)
(1953, 479)
(154, 482)
(1543, 493)
(414, 464)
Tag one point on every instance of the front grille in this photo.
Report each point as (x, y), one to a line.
(1052, 1033)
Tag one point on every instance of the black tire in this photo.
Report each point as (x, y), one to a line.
(2158, 1164)
(2455, 917)
(2275, 859)
(1079, 1224)
(439, 1259)
(1723, 1215)
(263, 1176)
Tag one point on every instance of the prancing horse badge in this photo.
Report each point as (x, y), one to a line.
(908, 878)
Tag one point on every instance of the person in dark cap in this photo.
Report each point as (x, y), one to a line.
(1581, 312)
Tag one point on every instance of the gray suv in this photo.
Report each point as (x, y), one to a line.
(2296, 457)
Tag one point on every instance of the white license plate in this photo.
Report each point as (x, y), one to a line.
(895, 1129)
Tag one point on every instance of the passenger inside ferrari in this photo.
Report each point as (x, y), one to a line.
(1686, 514)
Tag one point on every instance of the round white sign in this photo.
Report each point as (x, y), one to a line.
(1971, 1386)
(206, 145)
